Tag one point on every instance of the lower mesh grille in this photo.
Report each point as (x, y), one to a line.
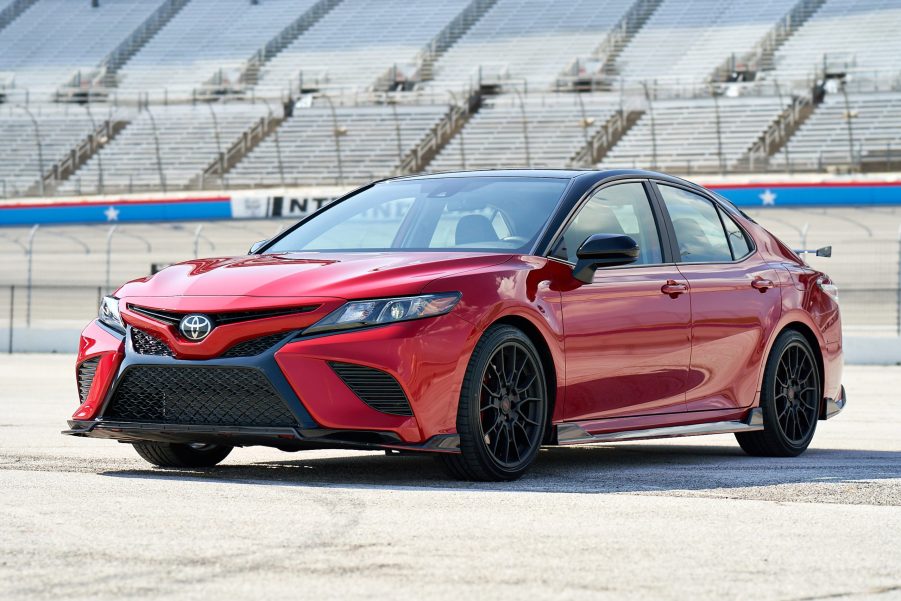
(376, 388)
(146, 343)
(224, 396)
(249, 348)
(85, 376)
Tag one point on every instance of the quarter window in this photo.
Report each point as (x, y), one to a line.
(696, 221)
(619, 209)
(737, 239)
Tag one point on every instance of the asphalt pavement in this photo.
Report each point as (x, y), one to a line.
(690, 518)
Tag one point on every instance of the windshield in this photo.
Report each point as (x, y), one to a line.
(504, 214)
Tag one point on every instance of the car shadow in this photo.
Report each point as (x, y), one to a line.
(621, 468)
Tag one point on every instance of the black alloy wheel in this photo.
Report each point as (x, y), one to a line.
(791, 398)
(503, 408)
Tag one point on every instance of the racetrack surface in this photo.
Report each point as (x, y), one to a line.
(681, 518)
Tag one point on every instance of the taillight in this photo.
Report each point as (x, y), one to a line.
(828, 287)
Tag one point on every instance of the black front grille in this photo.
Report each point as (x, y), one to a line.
(224, 396)
(250, 348)
(376, 388)
(85, 376)
(146, 343)
(174, 317)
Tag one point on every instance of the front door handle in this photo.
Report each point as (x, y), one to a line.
(674, 288)
(762, 284)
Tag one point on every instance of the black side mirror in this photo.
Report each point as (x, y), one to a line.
(257, 246)
(603, 250)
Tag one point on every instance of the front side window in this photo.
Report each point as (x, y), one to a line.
(696, 221)
(502, 214)
(617, 209)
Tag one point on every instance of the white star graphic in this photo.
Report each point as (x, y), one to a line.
(768, 197)
(112, 214)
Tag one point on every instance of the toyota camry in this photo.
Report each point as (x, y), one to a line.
(475, 316)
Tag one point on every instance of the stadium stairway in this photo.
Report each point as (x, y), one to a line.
(578, 75)
(250, 73)
(456, 29)
(761, 57)
(78, 155)
(104, 77)
(776, 137)
(12, 10)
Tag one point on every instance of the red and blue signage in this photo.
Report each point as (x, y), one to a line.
(262, 203)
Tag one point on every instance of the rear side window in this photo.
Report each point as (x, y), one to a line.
(699, 231)
(737, 239)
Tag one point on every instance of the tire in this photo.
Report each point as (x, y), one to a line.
(167, 454)
(502, 414)
(790, 397)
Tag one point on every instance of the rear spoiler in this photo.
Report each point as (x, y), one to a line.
(825, 251)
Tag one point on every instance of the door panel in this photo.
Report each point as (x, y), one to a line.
(627, 344)
(734, 312)
(735, 301)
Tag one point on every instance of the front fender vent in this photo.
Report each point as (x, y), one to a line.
(85, 376)
(374, 387)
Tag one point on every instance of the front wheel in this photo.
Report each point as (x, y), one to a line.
(790, 399)
(503, 408)
(170, 454)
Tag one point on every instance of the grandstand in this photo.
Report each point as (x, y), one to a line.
(684, 41)
(556, 127)
(858, 37)
(692, 135)
(187, 95)
(526, 43)
(52, 40)
(355, 43)
(207, 41)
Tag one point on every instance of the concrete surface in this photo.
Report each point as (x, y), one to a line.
(687, 518)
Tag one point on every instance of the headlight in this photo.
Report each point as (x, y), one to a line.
(357, 314)
(109, 313)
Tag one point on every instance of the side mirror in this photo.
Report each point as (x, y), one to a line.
(603, 250)
(257, 246)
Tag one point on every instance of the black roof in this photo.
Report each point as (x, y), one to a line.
(594, 175)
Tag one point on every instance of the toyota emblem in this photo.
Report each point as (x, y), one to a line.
(195, 327)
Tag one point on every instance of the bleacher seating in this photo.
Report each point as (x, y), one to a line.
(687, 136)
(823, 139)
(357, 42)
(494, 137)
(528, 40)
(187, 140)
(207, 36)
(59, 129)
(53, 39)
(368, 140)
(862, 34)
(685, 40)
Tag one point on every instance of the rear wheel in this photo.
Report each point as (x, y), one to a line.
(503, 408)
(169, 454)
(790, 399)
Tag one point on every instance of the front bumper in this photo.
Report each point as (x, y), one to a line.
(427, 358)
(288, 439)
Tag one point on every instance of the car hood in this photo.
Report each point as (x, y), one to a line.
(337, 275)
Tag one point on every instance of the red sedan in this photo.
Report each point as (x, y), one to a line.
(476, 316)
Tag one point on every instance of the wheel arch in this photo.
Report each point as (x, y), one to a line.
(533, 333)
(807, 332)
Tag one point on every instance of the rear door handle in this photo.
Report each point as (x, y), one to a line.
(674, 288)
(762, 284)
